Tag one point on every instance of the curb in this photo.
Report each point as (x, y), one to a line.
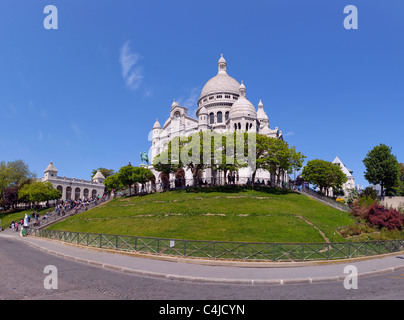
(228, 263)
(252, 282)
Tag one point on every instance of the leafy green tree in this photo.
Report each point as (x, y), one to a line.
(166, 162)
(113, 183)
(324, 175)
(143, 175)
(126, 176)
(401, 178)
(38, 191)
(382, 168)
(224, 153)
(276, 156)
(13, 175)
(195, 153)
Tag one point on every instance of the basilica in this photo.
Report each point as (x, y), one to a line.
(222, 107)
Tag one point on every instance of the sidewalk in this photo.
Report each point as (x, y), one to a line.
(260, 273)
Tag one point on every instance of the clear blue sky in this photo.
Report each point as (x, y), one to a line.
(86, 95)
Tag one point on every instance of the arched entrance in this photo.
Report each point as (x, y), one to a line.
(77, 194)
(165, 181)
(68, 193)
(180, 178)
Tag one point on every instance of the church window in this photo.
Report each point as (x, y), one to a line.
(239, 126)
(227, 96)
(211, 118)
(246, 127)
(219, 96)
(235, 126)
(226, 116)
(210, 98)
(219, 117)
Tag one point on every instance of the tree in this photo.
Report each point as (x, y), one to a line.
(143, 175)
(105, 172)
(192, 150)
(401, 178)
(166, 162)
(276, 156)
(126, 177)
(10, 198)
(324, 175)
(382, 167)
(38, 191)
(13, 175)
(224, 153)
(112, 183)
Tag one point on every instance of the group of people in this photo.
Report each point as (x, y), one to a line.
(268, 183)
(60, 209)
(75, 205)
(23, 222)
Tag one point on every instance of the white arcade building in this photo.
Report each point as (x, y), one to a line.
(72, 188)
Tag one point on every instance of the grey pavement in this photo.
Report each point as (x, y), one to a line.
(253, 273)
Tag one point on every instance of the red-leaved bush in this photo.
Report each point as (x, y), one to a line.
(381, 217)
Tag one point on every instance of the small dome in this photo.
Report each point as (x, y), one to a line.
(157, 125)
(242, 107)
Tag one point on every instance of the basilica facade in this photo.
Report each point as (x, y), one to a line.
(222, 107)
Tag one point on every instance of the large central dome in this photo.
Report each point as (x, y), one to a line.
(221, 83)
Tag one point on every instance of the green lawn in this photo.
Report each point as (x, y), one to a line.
(223, 214)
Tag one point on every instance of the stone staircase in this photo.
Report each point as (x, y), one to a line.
(48, 219)
(324, 199)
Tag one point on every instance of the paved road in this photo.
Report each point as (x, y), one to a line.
(22, 277)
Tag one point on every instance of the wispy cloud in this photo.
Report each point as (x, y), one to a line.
(190, 102)
(76, 130)
(290, 133)
(132, 73)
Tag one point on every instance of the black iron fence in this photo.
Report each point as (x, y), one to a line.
(222, 250)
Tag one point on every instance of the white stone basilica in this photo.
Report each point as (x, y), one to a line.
(222, 107)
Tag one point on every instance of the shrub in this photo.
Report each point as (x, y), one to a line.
(381, 217)
(360, 207)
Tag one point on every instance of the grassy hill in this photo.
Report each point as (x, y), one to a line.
(223, 214)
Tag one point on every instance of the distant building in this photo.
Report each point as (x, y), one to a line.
(350, 184)
(72, 188)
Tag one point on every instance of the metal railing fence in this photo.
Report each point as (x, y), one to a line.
(223, 250)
